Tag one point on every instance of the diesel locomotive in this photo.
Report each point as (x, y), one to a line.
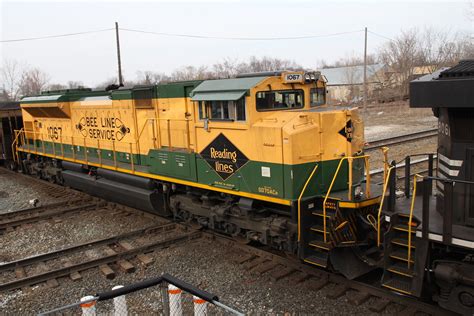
(262, 158)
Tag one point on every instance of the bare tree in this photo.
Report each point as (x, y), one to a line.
(33, 81)
(228, 68)
(10, 74)
(191, 73)
(151, 77)
(439, 48)
(401, 56)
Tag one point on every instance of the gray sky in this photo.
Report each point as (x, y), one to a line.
(91, 58)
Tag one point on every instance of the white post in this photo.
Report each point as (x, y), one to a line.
(88, 309)
(200, 306)
(176, 309)
(120, 303)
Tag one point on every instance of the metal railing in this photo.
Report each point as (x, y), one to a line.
(15, 145)
(163, 295)
(299, 199)
(367, 187)
(387, 179)
(80, 149)
(410, 218)
(157, 133)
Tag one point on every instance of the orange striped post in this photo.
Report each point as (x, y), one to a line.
(120, 303)
(88, 307)
(200, 306)
(176, 309)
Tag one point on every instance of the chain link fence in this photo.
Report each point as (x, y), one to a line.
(164, 295)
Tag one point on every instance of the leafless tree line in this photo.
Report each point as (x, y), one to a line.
(429, 49)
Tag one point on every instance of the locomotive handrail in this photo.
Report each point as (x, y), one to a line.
(367, 187)
(385, 185)
(15, 145)
(299, 199)
(411, 217)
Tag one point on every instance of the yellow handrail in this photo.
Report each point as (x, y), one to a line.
(411, 217)
(381, 203)
(299, 199)
(14, 145)
(385, 162)
(350, 186)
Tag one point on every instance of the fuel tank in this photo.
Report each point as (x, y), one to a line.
(133, 196)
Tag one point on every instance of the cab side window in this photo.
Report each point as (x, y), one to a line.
(279, 100)
(317, 96)
(223, 110)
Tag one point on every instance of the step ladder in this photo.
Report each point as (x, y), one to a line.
(317, 242)
(404, 258)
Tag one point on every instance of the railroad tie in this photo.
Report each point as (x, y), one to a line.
(280, 274)
(337, 291)
(107, 271)
(265, 267)
(407, 311)
(379, 305)
(125, 245)
(126, 266)
(250, 264)
(52, 283)
(145, 259)
(319, 283)
(301, 277)
(245, 258)
(357, 298)
(75, 275)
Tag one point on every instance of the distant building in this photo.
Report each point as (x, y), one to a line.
(346, 84)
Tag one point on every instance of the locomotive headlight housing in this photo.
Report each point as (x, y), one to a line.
(313, 77)
(307, 77)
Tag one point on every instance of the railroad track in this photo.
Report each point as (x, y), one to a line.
(12, 220)
(117, 252)
(51, 190)
(71, 261)
(401, 139)
(288, 269)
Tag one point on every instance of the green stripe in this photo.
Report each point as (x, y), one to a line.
(285, 181)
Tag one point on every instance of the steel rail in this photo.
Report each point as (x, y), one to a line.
(77, 248)
(400, 139)
(65, 271)
(32, 219)
(42, 208)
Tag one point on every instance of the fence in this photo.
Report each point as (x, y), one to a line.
(164, 295)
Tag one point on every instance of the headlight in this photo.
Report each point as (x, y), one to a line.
(307, 77)
(313, 77)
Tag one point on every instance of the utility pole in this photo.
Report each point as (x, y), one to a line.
(365, 71)
(118, 55)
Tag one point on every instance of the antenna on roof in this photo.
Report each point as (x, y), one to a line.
(118, 55)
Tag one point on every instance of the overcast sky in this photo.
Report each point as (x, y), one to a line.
(91, 58)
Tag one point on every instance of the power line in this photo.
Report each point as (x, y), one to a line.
(53, 36)
(240, 38)
(382, 36)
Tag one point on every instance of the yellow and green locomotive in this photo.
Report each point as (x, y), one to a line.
(259, 156)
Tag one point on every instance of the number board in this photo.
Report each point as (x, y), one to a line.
(293, 77)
